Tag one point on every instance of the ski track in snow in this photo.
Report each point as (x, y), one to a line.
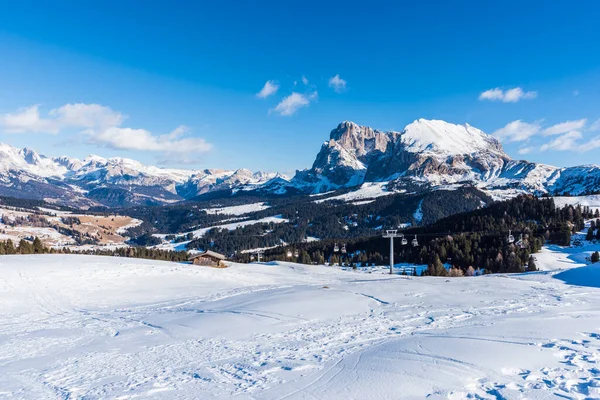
(101, 327)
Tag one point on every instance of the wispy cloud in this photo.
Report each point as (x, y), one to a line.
(565, 127)
(571, 136)
(517, 131)
(142, 140)
(595, 126)
(338, 84)
(590, 145)
(525, 150)
(292, 103)
(102, 126)
(568, 141)
(507, 96)
(270, 88)
(29, 119)
(304, 80)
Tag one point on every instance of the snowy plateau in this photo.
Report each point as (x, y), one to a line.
(75, 327)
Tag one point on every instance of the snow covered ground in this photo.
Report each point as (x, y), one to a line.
(105, 327)
(593, 201)
(369, 190)
(238, 210)
(197, 233)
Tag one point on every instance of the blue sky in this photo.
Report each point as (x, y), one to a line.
(177, 84)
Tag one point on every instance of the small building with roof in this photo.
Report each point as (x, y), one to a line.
(209, 258)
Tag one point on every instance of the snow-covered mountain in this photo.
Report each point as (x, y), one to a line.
(429, 154)
(110, 181)
(425, 155)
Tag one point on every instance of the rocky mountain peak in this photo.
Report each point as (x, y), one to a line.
(30, 156)
(424, 149)
(360, 140)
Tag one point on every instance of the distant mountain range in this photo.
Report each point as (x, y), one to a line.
(112, 182)
(426, 155)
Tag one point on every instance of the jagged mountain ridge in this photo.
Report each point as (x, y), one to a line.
(111, 182)
(425, 155)
(431, 154)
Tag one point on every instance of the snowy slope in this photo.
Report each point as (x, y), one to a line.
(592, 201)
(238, 210)
(99, 327)
(444, 138)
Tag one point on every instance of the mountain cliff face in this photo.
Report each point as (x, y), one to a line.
(429, 154)
(434, 151)
(425, 155)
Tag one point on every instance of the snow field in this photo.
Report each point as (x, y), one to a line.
(107, 327)
(238, 210)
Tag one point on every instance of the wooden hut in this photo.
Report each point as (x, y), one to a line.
(209, 259)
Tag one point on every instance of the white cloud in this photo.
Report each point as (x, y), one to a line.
(338, 84)
(492, 94)
(565, 127)
(86, 115)
(517, 131)
(102, 125)
(28, 119)
(292, 103)
(590, 145)
(304, 80)
(525, 150)
(568, 141)
(508, 96)
(142, 140)
(270, 88)
(595, 126)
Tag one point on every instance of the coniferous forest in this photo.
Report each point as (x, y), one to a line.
(475, 239)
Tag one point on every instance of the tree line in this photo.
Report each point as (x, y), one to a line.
(476, 239)
(35, 246)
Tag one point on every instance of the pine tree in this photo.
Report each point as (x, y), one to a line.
(10, 247)
(590, 234)
(531, 264)
(38, 246)
(25, 247)
(595, 257)
(436, 268)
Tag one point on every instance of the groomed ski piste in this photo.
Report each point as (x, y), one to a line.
(92, 327)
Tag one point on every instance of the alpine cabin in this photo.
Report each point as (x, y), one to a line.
(209, 259)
